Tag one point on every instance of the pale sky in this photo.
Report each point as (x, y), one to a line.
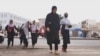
(78, 10)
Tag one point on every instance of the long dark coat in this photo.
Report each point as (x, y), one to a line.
(53, 22)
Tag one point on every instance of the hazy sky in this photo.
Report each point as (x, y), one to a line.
(78, 10)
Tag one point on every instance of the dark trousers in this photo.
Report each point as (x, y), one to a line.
(10, 39)
(65, 46)
(24, 40)
(1, 39)
(66, 37)
(21, 40)
(34, 37)
(56, 46)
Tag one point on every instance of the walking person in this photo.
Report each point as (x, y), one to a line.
(21, 33)
(25, 34)
(34, 33)
(10, 32)
(52, 25)
(65, 25)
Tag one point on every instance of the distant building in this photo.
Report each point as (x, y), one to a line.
(5, 17)
(76, 30)
(97, 25)
(86, 24)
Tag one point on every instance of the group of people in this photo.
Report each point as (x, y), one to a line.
(23, 33)
(53, 25)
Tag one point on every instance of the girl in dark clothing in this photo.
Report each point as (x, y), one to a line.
(21, 32)
(34, 33)
(52, 25)
(25, 34)
(10, 32)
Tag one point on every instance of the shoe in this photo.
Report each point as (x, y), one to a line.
(56, 52)
(24, 47)
(32, 46)
(12, 45)
(7, 47)
(51, 51)
(63, 49)
(20, 44)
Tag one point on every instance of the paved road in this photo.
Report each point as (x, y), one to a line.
(41, 51)
(42, 41)
(76, 48)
